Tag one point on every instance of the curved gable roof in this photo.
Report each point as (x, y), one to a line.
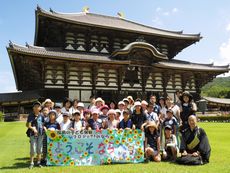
(116, 23)
(140, 45)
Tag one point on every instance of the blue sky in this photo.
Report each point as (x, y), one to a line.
(210, 18)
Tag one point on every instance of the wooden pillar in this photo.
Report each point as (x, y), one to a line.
(165, 80)
(198, 84)
(94, 73)
(144, 77)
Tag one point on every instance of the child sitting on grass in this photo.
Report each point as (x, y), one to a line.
(170, 145)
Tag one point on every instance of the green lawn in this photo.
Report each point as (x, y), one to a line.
(14, 154)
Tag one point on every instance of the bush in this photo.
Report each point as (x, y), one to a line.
(221, 118)
(1, 116)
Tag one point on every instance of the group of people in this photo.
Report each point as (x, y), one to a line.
(170, 127)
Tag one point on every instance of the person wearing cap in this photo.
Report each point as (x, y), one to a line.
(194, 143)
(131, 101)
(95, 123)
(121, 107)
(111, 122)
(74, 106)
(104, 110)
(35, 123)
(138, 118)
(126, 123)
(77, 124)
(118, 114)
(170, 121)
(170, 144)
(188, 107)
(152, 116)
(152, 142)
(57, 108)
(52, 124)
(99, 102)
(126, 101)
(66, 105)
(81, 107)
(66, 123)
(48, 103)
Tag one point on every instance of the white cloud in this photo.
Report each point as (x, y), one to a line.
(157, 21)
(7, 82)
(166, 13)
(161, 13)
(158, 9)
(224, 51)
(228, 27)
(174, 10)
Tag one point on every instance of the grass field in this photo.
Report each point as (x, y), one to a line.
(14, 154)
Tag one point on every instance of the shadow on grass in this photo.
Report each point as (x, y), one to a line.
(19, 164)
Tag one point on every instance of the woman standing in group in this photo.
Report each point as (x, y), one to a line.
(188, 107)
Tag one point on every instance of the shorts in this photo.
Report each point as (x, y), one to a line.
(36, 144)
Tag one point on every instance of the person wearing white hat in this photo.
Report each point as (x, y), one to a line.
(65, 124)
(111, 122)
(48, 103)
(139, 118)
(95, 123)
(144, 105)
(121, 107)
(99, 102)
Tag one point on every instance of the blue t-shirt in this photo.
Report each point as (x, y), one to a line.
(54, 125)
(171, 122)
(152, 139)
(95, 125)
(37, 122)
(125, 124)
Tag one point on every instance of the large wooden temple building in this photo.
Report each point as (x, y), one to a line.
(81, 54)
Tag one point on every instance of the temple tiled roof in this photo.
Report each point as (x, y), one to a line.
(140, 45)
(19, 96)
(217, 100)
(185, 65)
(57, 53)
(116, 23)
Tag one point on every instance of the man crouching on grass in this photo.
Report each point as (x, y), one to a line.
(35, 124)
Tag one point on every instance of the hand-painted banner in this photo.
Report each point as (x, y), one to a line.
(94, 147)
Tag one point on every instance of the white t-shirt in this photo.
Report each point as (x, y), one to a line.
(65, 126)
(59, 118)
(77, 125)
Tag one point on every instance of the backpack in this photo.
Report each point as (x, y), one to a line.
(189, 160)
(28, 132)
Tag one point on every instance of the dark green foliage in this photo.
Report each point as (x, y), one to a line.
(221, 118)
(219, 87)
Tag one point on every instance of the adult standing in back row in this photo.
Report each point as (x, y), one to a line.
(187, 108)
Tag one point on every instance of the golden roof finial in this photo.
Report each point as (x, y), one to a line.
(121, 15)
(85, 9)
